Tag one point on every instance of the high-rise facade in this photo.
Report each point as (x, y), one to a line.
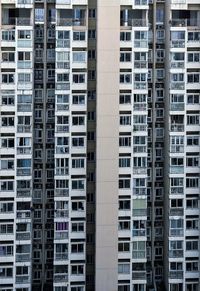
(100, 145)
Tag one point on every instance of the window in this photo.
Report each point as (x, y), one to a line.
(124, 205)
(6, 250)
(8, 97)
(193, 78)
(78, 141)
(77, 247)
(8, 78)
(79, 35)
(124, 183)
(78, 99)
(125, 99)
(125, 56)
(78, 163)
(77, 205)
(124, 225)
(192, 182)
(192, 266)
(78, 120)
(64, 77)
(192, 224)
(6, 272)
(62, 39)
(6, 229)
(24, 34)
(193, 119)
(8, 56)
(124, 162)
(92, 13)
(78, 184)
(124, 268)
(193, 140)
(176, 227)
(194, 36)
(79, 57)
(125, 78)
(123, 247)
(8, 35)
(125, 36)
(79, 78)
(77, 226)
(7, 143)
(91, 34)
(193, 99)
(194, 57)
(125, 120)
(124, 141)
(7, 164)
(192, 245)
(24, 78)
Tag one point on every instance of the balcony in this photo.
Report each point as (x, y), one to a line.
(177, 148)
(179, 22)
(61, 193)
(139, 107)
(178, 65)
(62, 86)
(139, 191)
(63, 43)
(139, 255)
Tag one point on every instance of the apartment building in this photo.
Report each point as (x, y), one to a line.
(100, 145)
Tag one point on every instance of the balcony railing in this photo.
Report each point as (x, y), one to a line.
(177, 127)
(23, 257)
(139, 232)
(177, 86)
(140, 107)
(139, 170)
(60, 213)
(140, 127)
(139, 275)
(61, 235)
(24, 214)
(140, 149)
(71, 22)
(139, 191)
(139, 212)
(22, 279)
(61, 171)
(139, 255)
(176, 274)
(23, 236)
(62, 86)
(60, 278)
(63, 43)
(23, 150)
(24, 128)
(176, 212)
(23, 171)
(134, 22)
(176, 253)
(178, 43)
(141, 2)
(177, 190)
(62, 150)
(178, 65)
(177, 148)
(177, 169)
(23, 192)
(62, 128)
(61, 256)
(176, 232)
(177, 106)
